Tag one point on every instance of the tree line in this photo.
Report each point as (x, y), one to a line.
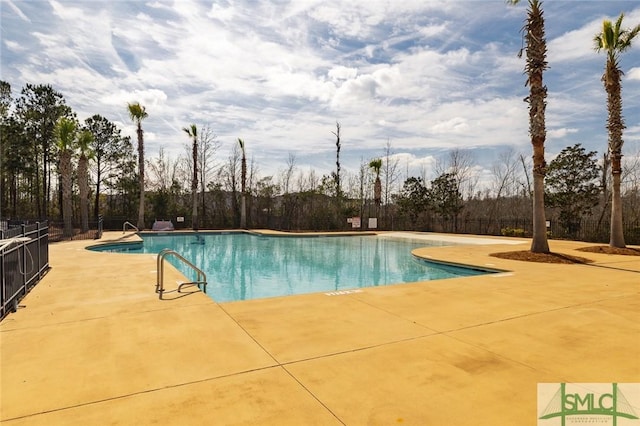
(54, 166)
(91, 167)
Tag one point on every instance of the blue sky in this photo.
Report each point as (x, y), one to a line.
(426, 75)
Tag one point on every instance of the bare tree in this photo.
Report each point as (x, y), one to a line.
(308, 182)
(424, 174)
(526, 184)
(390, 171)
(459, 163)
(362, 178)
(229, 174)
(504, 175)
(243, 185)
(209, 145)
(631, 186)
(162, 171)
(337, 172)
(631, 172)
(287, 175)
(605, 185)
(253, 176)
(192, 132)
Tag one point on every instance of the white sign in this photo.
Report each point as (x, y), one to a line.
(355, 222)
(180, 219)
(373, 222)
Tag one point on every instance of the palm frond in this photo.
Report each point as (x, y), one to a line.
(137, 112)
(84, 141)
(192, 130)
(619, 24)
(627, 37)
(65, 133)
(614, 39)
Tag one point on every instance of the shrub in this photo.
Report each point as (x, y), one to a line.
(512, 232)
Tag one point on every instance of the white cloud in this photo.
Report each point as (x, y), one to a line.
(342, 73)
(149, 98)
(12, 45)
(221, 13)
(574, 45)
(66, 12)
(432, 30)
(413, 165)
(454, 125)
(560, 133)
(633, 73)
(17, 11)
(427, 75)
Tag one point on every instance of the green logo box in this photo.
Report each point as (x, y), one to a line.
(561, 404)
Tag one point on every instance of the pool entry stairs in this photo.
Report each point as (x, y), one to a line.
(201, 277)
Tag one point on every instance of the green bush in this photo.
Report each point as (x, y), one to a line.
(512, 232)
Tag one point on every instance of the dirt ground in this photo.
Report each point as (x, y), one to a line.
(528, 256)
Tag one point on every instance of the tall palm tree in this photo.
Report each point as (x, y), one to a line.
(243, 184)
(192, 131)
(376, 165)
(85, 138)
(614, 40)
(137, 113)
(65, 133)
(536, 50)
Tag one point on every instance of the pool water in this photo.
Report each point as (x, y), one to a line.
(241, 266)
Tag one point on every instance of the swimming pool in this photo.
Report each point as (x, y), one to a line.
(242, 266)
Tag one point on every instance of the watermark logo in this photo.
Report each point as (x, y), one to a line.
(561, 404)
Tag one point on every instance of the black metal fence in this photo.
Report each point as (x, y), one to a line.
(93, 231)
(24, 259)
(586, 230)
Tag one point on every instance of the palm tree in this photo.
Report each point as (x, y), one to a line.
(376, 165)
(137, 113)
(85, 138)
(192, 131)
(536, 50)
(243, 184)
(615, 40)
(65, 139)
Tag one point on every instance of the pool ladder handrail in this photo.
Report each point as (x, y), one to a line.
(201, 277)
(124, 226)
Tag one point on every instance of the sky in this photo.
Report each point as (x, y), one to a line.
(423, 77)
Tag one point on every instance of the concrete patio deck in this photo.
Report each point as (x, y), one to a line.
(93, 345)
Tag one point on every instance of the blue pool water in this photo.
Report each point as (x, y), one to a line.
(242, 266)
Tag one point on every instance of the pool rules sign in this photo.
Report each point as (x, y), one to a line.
(354, 221)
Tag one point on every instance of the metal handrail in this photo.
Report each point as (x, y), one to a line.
(201, 277)
(124, 226)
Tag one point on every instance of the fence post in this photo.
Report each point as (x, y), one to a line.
(2, 279)
(39, 251)
(23, 246)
